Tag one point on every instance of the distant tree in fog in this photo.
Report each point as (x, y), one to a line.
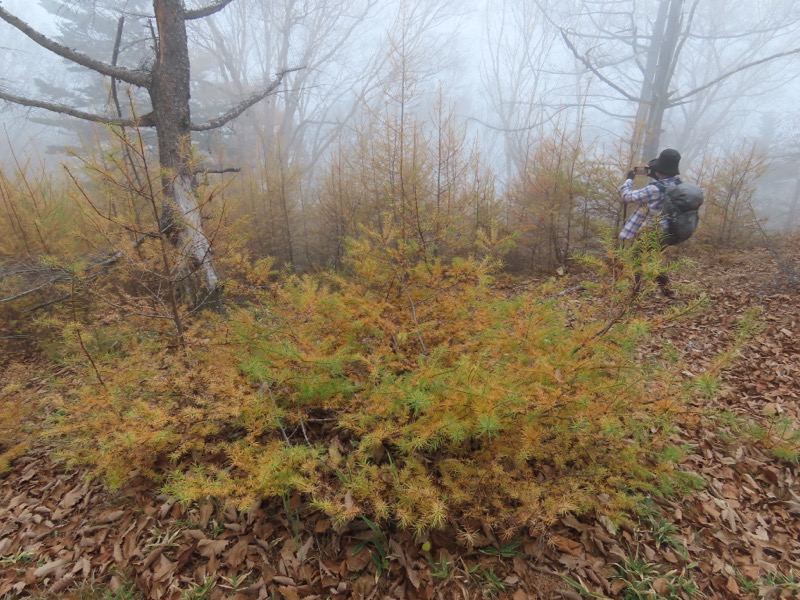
(662, 54)
(726, 33)
(98, 29)
(779, 189)
(346, 47)
(253, 39)
(517, 77)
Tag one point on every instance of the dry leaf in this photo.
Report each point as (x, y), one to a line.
(289, 593)
(608, 524)
(413, 576)
(567, 545)
(670, 556)
(164, 570)
(152, 557)
(573, 523)
(359, 561)
(237, 554)
(50, 567)
(322, 525)
(661, 586)
(206, 510)
(62, 584)
(110, 517)
(209, 548)
(302, 552)
(732, 586)
(617, 586)
(166, 507)
(72, 497)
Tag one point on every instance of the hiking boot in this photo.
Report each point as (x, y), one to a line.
(666, 292)
(637, 284)
(663, 285)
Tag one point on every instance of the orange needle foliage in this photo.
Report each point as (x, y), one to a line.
(409, 389)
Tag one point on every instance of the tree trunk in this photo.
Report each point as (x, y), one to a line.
(794, 209)
(661, 60)
(181, 217)
(643, 110)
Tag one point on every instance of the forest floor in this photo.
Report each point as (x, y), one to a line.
(63, 536)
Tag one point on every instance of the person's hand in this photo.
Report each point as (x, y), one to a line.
(631, 175)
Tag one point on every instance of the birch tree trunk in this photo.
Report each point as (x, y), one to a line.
(181, 216)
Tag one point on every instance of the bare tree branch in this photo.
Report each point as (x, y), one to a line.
(138, 78)
(683, 39)
(115, 96)
(539, 123)
(35, 277)
(114, 57)
(593, 69)
(243, 106)
(733, 72)
(32, 290)
(145, 121)
(48, 303)
(207, 11)
(93, 270)
(217, 171)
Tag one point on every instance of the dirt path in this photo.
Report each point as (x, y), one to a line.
(63, 537)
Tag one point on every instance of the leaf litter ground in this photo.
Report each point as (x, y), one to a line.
(62, 536)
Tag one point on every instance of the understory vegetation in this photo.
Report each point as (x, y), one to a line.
(416, 392)
(412, 382)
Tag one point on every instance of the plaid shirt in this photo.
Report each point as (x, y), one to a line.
(650, 198)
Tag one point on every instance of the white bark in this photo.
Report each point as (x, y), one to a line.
(194, 246)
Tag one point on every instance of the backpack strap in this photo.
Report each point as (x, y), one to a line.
(664, 216)
(659, 183)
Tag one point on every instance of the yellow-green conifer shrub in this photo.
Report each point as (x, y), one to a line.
(16, 415)
(39, 260)
(406, 390)
(728, 217)
(40, 251)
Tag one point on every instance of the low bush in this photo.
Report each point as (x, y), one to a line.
(405, 390)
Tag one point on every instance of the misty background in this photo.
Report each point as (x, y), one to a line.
(494, 82)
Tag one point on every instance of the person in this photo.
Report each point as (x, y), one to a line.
(650, 199)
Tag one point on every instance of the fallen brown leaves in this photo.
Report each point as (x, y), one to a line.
(59, 531)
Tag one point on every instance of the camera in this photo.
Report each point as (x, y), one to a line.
(641, 170)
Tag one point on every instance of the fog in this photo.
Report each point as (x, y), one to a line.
(509, 73)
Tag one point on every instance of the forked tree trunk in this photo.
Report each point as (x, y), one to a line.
(661, 60)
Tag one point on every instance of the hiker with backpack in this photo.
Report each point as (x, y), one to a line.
(668, 203)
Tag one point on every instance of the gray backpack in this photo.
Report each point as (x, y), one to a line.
(682, 200)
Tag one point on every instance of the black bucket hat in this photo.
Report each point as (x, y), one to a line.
(667, 162)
